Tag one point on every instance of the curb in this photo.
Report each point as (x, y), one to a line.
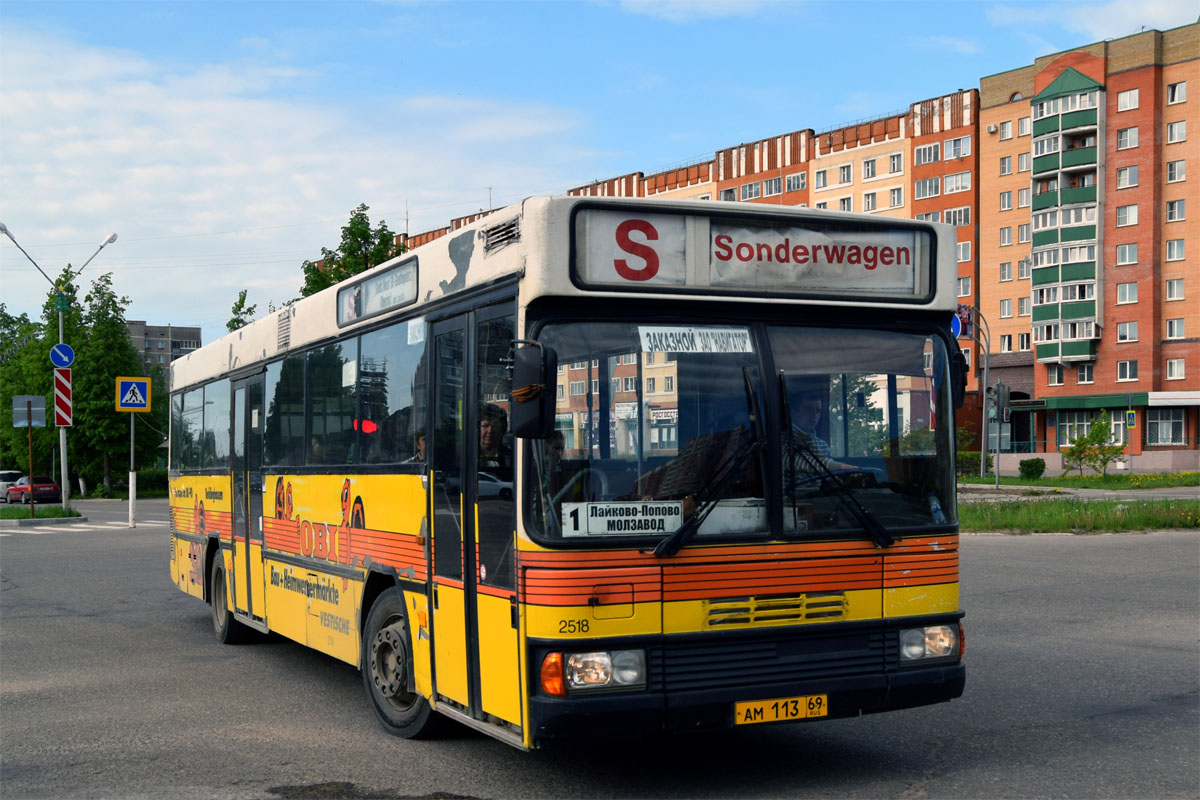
(31, 523)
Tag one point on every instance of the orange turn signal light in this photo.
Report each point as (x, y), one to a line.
(552, 675)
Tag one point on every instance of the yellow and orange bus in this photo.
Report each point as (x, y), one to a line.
(595, 467)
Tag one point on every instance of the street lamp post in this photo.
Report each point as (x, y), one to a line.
(60, 304)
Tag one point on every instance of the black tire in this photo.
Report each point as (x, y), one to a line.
(227, 629)
(386, 664)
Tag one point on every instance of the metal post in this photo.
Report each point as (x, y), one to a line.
(999, 423)
(62, 436)
(132, 477)
(29, 426)
(983, 336)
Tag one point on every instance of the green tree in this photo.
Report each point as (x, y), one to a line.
(243, 315)
(1102, 451)
(361, 248)
(24, 370)
(101, 432)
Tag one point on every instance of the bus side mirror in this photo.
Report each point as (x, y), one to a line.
(535, 369)
(958, 378)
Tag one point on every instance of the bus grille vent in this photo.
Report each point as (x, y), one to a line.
(500, 235)
(787, 609)
(283, 329)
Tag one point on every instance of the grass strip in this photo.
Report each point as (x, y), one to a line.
(1148, 480)
(40, 512)
(1080, 516)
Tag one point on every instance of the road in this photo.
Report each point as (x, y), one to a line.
(1083, 681)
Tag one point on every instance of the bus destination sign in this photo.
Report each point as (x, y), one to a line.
(630, 249)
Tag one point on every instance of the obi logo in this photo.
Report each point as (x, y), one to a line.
(649, 257)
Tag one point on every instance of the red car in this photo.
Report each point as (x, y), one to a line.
(44, 491)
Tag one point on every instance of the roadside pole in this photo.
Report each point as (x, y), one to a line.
(133, 395)
(29, 427)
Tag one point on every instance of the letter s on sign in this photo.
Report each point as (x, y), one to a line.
(643, 251)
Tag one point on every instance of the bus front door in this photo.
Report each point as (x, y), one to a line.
(475, 638)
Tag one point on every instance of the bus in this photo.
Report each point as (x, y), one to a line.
(595, 467)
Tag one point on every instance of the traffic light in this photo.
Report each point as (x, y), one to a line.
(1002, 396)
(990, 402)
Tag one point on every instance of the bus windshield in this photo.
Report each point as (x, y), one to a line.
(656, 424)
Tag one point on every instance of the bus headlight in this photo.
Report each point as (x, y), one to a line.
(932, 642)
(594, 671)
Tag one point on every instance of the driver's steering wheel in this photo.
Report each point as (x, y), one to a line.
(579, 476)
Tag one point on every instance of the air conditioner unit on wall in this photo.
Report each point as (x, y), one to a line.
(992, 129)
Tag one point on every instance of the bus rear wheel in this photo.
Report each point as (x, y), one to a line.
(387, 663)
(227, 629)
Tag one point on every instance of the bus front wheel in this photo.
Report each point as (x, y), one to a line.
(387, 662)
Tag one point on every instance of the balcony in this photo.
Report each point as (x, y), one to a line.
(1047, 163)
(1043, 238)
(1083, 309)
(1079, 156)
(1047, 352)
(1085, 118)
(1048, 199)
(1045, 125)
(1046, 312)
(1077, 233)
(1079, 271)
(1083, 194)
(1079, 350)
(1045, 275)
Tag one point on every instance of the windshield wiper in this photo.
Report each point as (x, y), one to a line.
(732, 466)
(831, 485)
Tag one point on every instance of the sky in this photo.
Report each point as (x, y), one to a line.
(226, 142)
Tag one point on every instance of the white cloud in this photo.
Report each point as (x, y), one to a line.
(694, 10)
(214, 184)
(1098, 21)
(948, 43)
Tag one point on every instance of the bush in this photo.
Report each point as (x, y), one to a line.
(152, 480)
(968, 462)
(1033, 468)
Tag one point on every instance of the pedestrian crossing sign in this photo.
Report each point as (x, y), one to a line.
(133, 394)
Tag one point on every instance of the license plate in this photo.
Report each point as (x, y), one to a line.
(781, 709)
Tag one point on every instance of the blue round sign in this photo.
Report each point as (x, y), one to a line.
(61, 355)
(955, 326)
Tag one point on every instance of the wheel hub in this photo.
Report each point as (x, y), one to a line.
(389, 660)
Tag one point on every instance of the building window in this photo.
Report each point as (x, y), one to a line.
(1126, 177)
(1176, 171)
(1006, 270)
(820, 179)
(1072, 425)
(895, 163)
(1176, 131)
(869, 201)
(669, 383)
(1175, 369)
(1024, 306)
(1126, 293)
(1006, 236)
(964, 287)
(727, 194)
(1176, 210)
(1023, 342)
(963, 250)
(1006, 201)
(1006, 165)
(772, 187)
(1127, 100)
(1023, 162)
(1127, 371)
(958, 216)
(1127, 332)
(1046, 333)
(1085, 373)
(1046, 145)
(1024, 126)
(1126, 215)
(1176, 92)
(1175, 328)
(1023, 234)
(1006, 343)
(1023, 196)
(630, 384)
(896, 197)
(869, 168)
(1006, 130)
(1005, 309)
(1127, 138)
(1024, 268)
(928, 187)
(958, 147)
(844, 174)
(797, 181)
(958, 182)
(846, 204)
(1078, 291)
(578, 388)
(1164, 426)
(750, 191)
(1175, 249)
(927, 154)
(966, 351)
(1126, 254)
(932, 216)
(821, 205)
(1054, 375)
(1175, 289)
(649, 385)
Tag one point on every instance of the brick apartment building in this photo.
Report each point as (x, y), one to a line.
(162, 344)
(1067, 182)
